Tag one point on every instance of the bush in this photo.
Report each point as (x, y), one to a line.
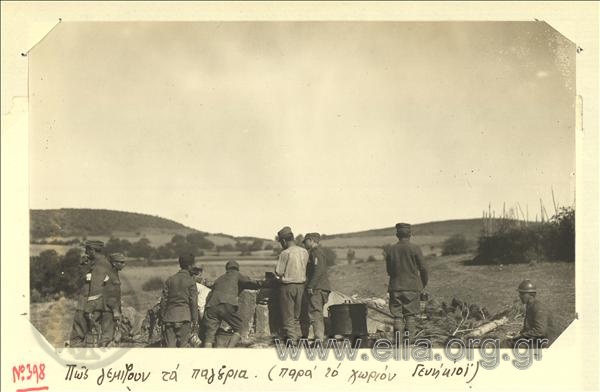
(50, 273)
(371, 258)
(516, 245)
(455, 245)
(561, 235)
(554, 240)
(154, 283)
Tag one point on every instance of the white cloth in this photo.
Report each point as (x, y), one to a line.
(203, 292)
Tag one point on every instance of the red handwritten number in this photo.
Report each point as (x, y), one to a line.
(41, 372)
(32, 370)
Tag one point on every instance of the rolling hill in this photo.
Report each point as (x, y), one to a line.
(69, 222)
(470, 228)
(76, 223)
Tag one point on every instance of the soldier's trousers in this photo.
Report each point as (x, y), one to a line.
(213, 315)
(313, 313)
(79, 329)
(405, 306)
(177, 334)
(107, 326)
(290, 301)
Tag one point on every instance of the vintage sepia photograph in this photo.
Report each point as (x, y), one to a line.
(250, 184)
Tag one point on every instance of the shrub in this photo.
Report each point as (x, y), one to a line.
(50, 273)
(554, 240)
(561, 235)
(371, 258)
(455, 245)
(154, 283)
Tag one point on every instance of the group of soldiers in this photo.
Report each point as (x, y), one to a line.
(192, 309)
(98, 311)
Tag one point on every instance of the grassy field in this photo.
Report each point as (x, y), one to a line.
(493, 287)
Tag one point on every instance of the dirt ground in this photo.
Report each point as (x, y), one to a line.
(492, 287)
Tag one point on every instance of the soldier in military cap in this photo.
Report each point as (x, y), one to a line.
(80, 323)
(408, 275)
(291, 272)
(111, 316)
(179, 304)
(94, 304)
(317, 285)
(538, 325)
(223, 301)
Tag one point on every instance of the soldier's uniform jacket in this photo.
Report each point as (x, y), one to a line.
(112, 290)
(227, 288)
(179, 300)
(316, 270)
(84, 287)
(99, 275)
(406, 267)
(538, 321)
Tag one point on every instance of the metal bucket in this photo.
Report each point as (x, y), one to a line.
(348, 320)
(222, 338)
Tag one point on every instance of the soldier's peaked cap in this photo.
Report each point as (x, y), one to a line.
(94, 244)
(312, 236)
(285, 232)
(403, 226)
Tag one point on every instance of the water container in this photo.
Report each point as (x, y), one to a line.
(348, 320)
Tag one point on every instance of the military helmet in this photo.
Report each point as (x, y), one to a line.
(527, 286)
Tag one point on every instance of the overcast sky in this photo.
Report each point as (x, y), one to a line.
(243, 128)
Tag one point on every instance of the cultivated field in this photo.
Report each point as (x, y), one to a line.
(493, 287)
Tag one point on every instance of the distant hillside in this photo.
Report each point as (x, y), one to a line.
(470, 228)
(79, 222)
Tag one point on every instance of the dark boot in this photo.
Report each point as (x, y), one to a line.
(398, 330)
(411, 328)
(235, 339)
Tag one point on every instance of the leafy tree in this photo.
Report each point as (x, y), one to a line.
(164, 252)
(257, 244)
(178, 239)
(141, 248)
(114, 245)
(43, 272)
(199, 240)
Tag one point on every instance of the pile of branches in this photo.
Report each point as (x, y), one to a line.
(441, 322)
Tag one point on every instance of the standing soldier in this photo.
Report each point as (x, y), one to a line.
(408, 277)
(179, 304)
(94, 306)
(538, 326)
(80, 323)
(111, 317)
(223, 301)
(317, 285)
(291, 271)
